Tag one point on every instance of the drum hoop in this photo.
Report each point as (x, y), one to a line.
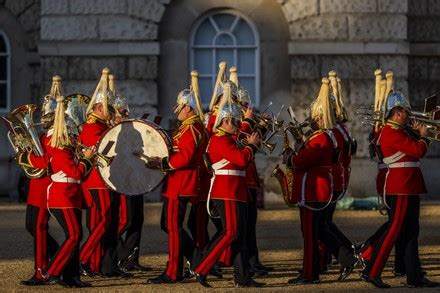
(162, 133)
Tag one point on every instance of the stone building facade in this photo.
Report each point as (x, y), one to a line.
(148, 45)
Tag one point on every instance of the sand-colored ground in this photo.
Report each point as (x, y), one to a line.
(279, 239)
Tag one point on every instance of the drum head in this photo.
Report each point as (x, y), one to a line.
(125, 172)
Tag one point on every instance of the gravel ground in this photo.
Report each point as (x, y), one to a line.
(279, 240)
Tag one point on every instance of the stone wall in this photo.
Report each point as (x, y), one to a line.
(104, 32)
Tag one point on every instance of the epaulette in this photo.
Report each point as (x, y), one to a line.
(314, 134)
(93, 118)
(393, 125)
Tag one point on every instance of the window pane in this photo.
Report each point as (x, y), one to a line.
(205, 33)
(3, 97)
(246, 61)
(224, 40)
(249, 84)
(206, 88)
(224, 21)
(203, 61)
(3, 67)
(243, 33)
(224, 55)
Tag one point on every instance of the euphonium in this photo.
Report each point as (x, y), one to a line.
(285, 179)
(23, 136)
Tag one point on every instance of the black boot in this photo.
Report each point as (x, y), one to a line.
(250, 283)
(377, 282)
(202, 281)
(300, 280)
(34, 281)
(76, 282)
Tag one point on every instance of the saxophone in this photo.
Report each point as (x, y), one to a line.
(285, 179)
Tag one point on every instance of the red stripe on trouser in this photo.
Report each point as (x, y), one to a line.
(122, 213)
(95, 237)
(173, 238)
(95, 259)
(225, 240)
(41, 242)
(68, 246)
(390, 238)
(366, 254)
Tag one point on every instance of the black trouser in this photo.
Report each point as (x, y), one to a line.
(251, 232)
(66, 259)
(315, 228)
(109, 239)
(45, 246)
(233, 215)
(403, 223)
(180, 243)
(134, 214)
(329, 213)
(198, 224)
(399, 262)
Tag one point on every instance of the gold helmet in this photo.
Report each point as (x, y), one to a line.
(102, 94)
(218, 87)
(239, 92)
(228, 108)
(120, 103)
(49, 101)
(321, 108)
(190, 97)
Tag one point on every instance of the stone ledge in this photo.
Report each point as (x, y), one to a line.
(348, 48)
(98, 48)
(424, 49)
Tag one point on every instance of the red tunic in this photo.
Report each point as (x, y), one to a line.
(37, 195)
(395, 141)
(223, 146)
(313, 160)
(90, 135)
(189, 144)
(62, 165)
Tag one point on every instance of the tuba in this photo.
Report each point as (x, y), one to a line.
(23, 136)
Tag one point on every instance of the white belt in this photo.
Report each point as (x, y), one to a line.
(230, 172)
(399, 165)
(61, 177)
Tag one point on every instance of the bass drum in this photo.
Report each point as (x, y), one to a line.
(119, 165)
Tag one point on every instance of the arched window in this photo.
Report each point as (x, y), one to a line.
(226, 35)
(5, 72)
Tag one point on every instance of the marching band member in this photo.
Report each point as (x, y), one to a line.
(98, 252)
(313, 190)
(228, 193)
(346, 146)
(131, 209)
(248, 125)
(64, 199)
(182, 181)
(403, 184)
(37, 215)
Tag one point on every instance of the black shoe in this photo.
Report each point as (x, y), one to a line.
(76, 282)
(397, 273)
(250, 283)
(377, 282)
(117, 273)
(424, 283)
(202, 281)
(123, 263)
(345, 272)
(56, 280)
(137, 267)
(262, 267)
(216, 271)
(85, 270)
(34, 281)
(300, 280)
(162, 279)
(255, 272)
